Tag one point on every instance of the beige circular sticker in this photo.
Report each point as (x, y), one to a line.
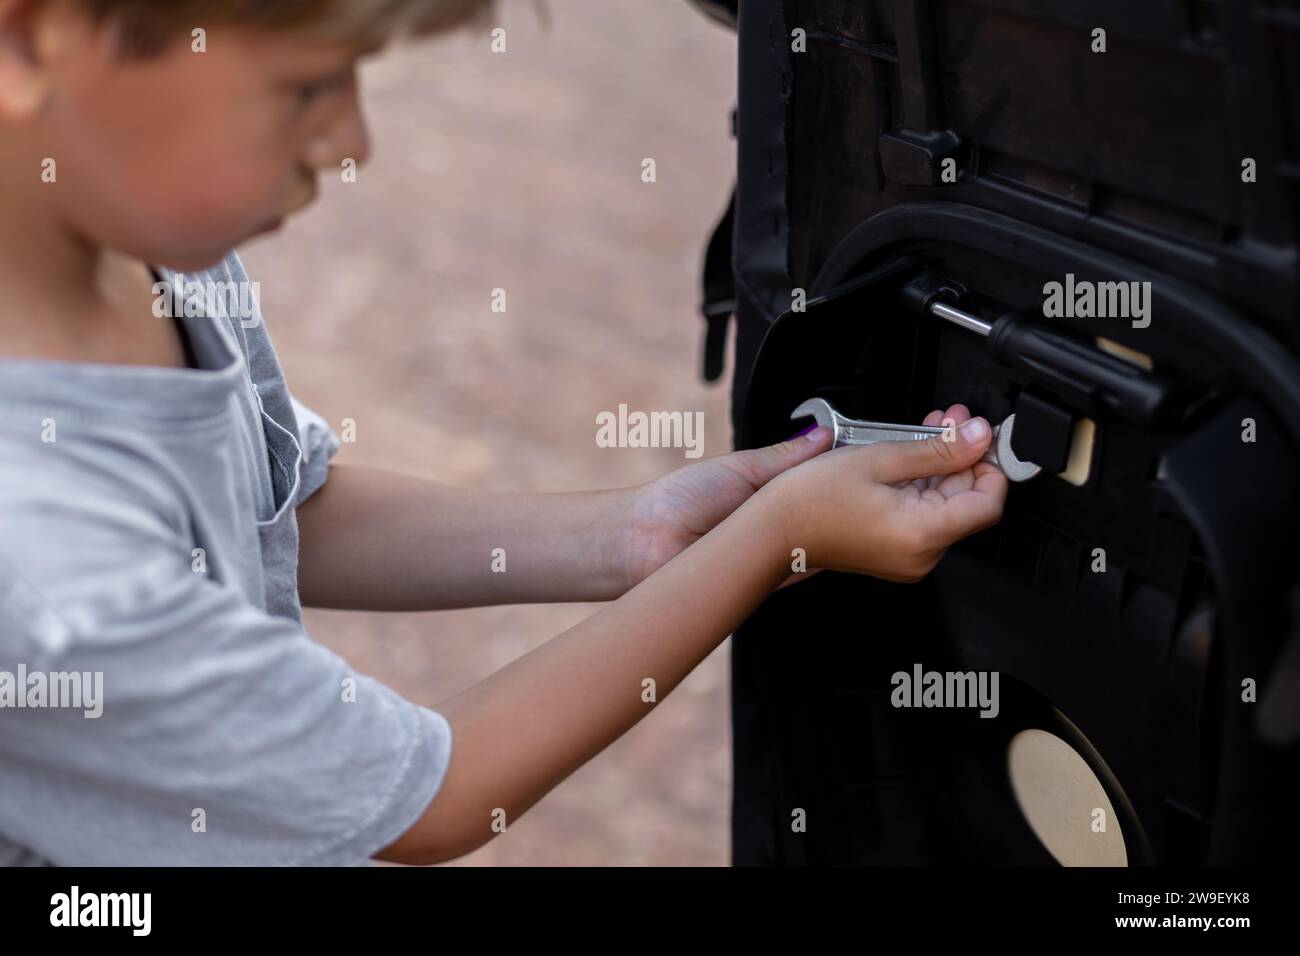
(1063, 801)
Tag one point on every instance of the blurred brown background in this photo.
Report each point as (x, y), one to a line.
(522, 171)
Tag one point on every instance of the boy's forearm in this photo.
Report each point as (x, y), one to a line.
(382, 541)
(531, 724)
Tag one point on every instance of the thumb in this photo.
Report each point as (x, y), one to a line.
(908, 460)
(761, 465)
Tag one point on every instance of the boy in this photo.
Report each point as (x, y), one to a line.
(166, 505)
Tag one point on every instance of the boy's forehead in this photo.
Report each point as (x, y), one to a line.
(288, 52)
(310, 44)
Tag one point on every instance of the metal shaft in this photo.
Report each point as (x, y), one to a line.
(958, 317)
(852, 432)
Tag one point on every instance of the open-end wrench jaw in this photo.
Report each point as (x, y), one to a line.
(821, 411)
(1008, 461)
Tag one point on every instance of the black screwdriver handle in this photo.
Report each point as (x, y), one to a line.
(1080, 371)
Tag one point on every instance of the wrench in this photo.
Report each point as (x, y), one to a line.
(850, 431)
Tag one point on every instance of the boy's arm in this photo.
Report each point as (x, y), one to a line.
(375, 540)
(381, 541)
(521, 731)
(531, 724)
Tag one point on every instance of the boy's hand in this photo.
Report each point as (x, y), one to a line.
(890, 510)
(670, 513)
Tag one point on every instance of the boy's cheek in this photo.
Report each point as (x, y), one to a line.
(152, 165)
(226, 195)
(224, 172)
(181, 221)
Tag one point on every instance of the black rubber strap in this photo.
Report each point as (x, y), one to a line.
(719, 292)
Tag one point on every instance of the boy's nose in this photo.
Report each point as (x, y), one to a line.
(346, 139)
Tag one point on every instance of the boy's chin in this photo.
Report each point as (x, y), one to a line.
(197, 260)
(270, 226)
(195, 263)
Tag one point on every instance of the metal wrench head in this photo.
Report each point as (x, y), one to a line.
(823, 413)
(1012, 467)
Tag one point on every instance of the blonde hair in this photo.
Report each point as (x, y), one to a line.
(143, 27)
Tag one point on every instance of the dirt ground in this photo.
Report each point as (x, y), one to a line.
(522, 171)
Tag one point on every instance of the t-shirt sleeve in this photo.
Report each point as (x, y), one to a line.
(221, 735)
(318, 440)
(320, 443)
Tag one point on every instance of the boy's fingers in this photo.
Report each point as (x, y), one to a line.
(982, 506)
(763, 464)
(955, 415)
(934, 419)
(970, 511)
(964, 480)
(955, 484)
(906, 460)
(989, 480)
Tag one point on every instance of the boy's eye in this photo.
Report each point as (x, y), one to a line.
(307, 92)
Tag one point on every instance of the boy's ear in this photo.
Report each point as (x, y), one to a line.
(35, 35)
(21, 86)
